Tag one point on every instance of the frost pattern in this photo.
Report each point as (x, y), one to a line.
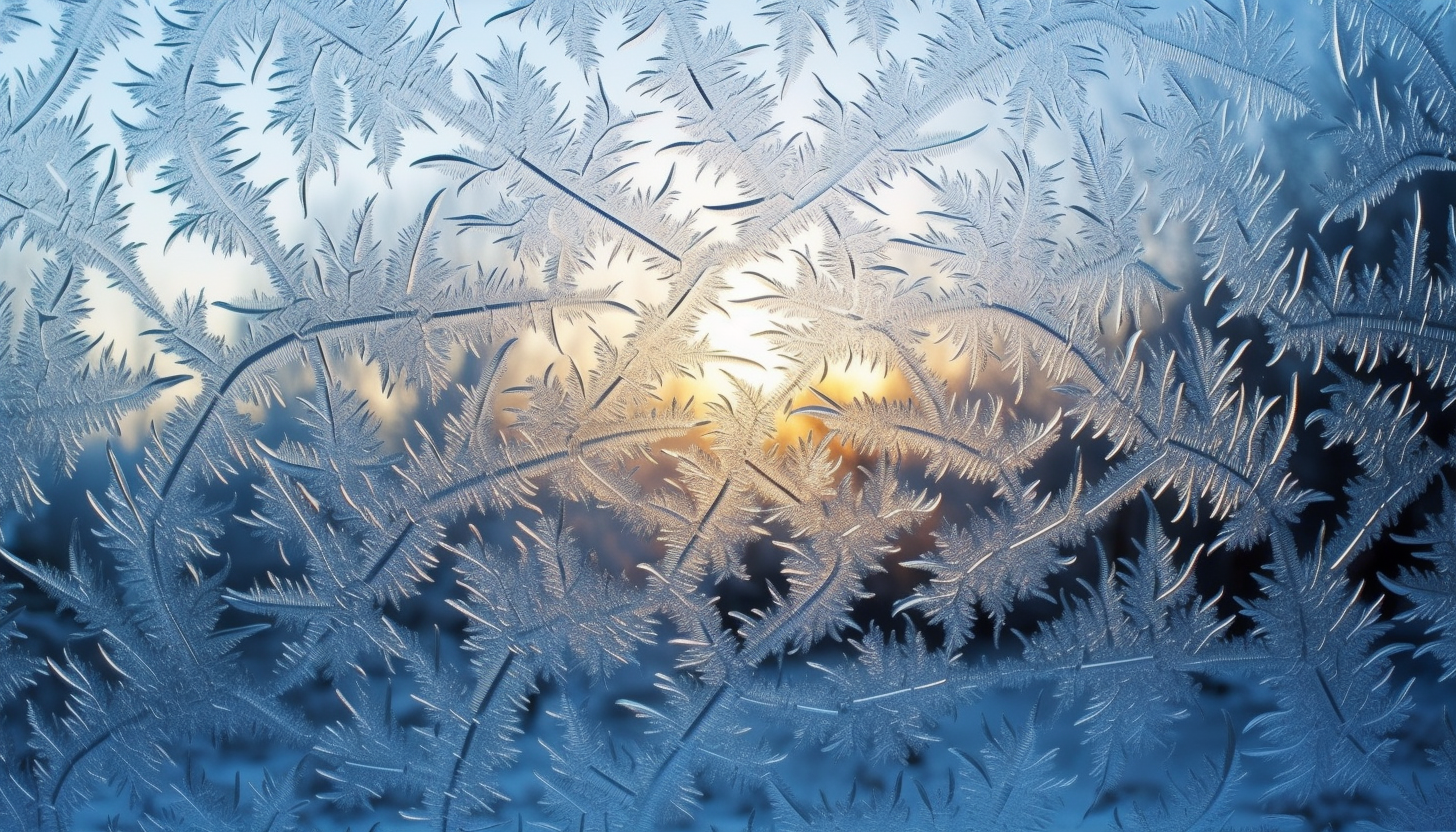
(588, 414)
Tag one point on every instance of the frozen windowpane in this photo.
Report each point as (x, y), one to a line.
(649, 414)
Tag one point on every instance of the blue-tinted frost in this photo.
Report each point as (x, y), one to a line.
(632, 415)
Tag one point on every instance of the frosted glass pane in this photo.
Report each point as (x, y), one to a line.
(672, 414)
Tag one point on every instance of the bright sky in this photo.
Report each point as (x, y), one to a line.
(192, 266)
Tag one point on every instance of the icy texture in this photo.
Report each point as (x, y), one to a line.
(965, 414)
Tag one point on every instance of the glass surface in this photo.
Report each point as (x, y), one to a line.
(656, 414)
